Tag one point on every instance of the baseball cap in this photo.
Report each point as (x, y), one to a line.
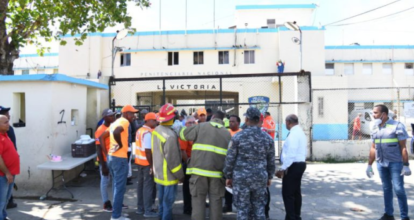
(144, 111)
(150, 116)
(107, 112)
(129, 108)
(4, 109)
(252, 112)
(201, 111)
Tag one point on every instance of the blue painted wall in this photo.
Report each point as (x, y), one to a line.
(330, 132)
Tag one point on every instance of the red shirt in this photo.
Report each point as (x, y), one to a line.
(357, 123)
(9, 155)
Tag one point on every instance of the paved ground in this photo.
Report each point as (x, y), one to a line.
(330, 192)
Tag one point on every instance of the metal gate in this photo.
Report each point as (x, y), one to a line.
(278, 94)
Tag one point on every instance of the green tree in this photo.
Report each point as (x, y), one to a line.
(26, 21)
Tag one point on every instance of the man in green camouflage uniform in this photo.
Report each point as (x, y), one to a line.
(249, 168)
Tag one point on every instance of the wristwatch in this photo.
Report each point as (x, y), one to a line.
(406, 164)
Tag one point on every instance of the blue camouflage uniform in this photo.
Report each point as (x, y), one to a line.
(250, 163)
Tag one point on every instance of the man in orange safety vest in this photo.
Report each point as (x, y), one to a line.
(143, 158)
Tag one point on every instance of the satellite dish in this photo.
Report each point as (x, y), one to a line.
(122, 34)
(296, 40)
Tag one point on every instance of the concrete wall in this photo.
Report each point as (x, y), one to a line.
(42, 134)
(340, 150)
(147, 61)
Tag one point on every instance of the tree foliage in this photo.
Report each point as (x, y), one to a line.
(25, 21)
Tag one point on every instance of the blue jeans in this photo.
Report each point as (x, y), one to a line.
(5, 193)
(166, 197)
(391, 179)
(104, 184)
(118, 167)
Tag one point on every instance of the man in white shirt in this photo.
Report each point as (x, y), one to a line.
(293, 166)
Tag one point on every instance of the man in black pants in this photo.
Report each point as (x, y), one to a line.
(5, 111)
(293, 166)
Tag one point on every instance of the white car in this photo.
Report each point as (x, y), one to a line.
(367, 120)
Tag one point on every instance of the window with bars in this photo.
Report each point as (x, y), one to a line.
(173, 58)
(249, 57)
(126, 59)
(223, 57)
(198, 58)
(320, 106)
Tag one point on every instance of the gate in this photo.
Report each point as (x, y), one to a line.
(278, 94)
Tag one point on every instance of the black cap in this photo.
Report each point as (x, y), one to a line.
(4, 109)
(252, 113)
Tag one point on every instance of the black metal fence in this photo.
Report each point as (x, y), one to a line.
(278, 94)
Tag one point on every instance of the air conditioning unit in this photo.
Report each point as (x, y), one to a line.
(271, 23)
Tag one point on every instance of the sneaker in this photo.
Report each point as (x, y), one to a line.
(140, 212)
(151, 215)
(107, 207)
(120, 218)
(387, 217)
(124, 206)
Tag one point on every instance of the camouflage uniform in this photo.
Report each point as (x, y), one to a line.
(250, 163)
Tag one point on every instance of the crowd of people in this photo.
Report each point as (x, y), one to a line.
(210, 153)
(209, 159)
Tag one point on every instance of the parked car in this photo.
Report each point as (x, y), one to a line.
(367, 120)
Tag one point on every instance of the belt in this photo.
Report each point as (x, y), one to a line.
(299, 162)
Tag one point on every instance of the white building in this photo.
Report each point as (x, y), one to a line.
(254, 45)
(35, 64)
(48, 113)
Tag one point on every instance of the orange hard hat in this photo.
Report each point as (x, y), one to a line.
(150, 116)
(166, 113)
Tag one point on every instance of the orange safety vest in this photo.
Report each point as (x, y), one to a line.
(140, 156)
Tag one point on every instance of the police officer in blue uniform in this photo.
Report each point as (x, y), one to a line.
(389, 149)
(249, 168)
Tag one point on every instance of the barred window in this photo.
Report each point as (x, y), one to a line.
(199, 58)
(173, 58)
(223, 57)
(126, 59)
(320, 106)
(249, 57)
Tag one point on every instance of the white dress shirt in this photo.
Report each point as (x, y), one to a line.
(294, 148)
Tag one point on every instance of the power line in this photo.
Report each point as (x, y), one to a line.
(375, 18)
(362, 13)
